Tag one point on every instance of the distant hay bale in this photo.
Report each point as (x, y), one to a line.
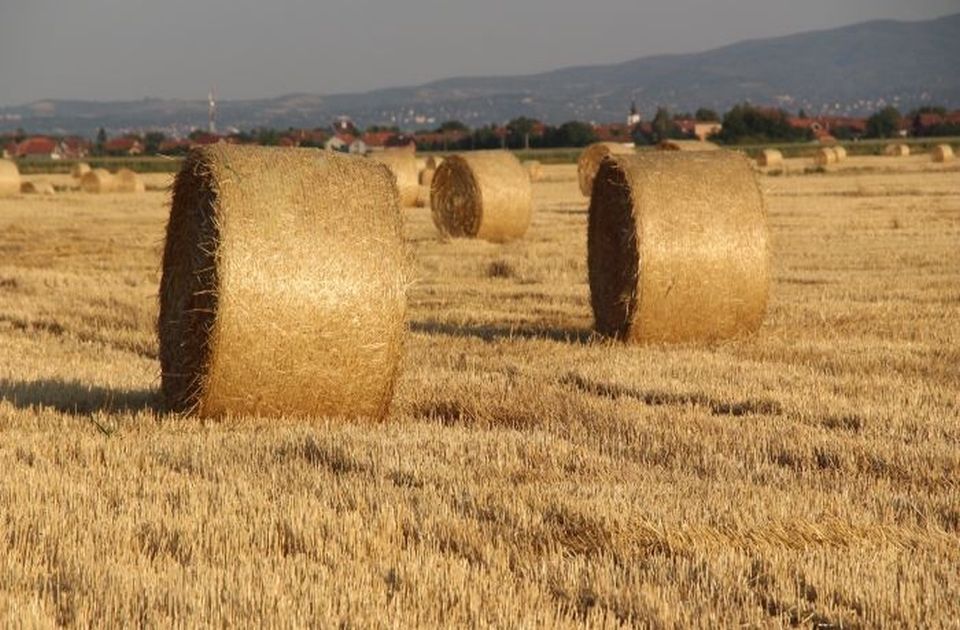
(423, 197)
(37, 188)
(98, 181)
(677, 247)
(482, 194)
(284, 284)
(403, 164)
(434, 161)
(770, 157)
(589, 162)
(686, 145)
(897, 150)
(840, 152)
(825, 156)
(421, 164)
(426, 176)
(534, 170)
(79, 169)
(9, 177)
(127, 181)
(942, 153)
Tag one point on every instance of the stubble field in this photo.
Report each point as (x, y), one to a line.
(529, 473)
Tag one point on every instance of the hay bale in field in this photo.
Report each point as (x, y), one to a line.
(482, 194)
(840, 152)
(423, 197)
(825, 156)
(9, 177)
(942, 153)
(98, 181)
(434, 161)
(677, 247)
(284, 284)
(426, 176)
(403, 164)
(770, 157)
(37, 188)
(897, 150)
(589, 162)
(127, 181)
(534, 170)
(421, 164)
(79, 169)
(686, 145)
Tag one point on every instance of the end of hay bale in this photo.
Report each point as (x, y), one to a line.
(434, 161)
(9, 177)
(677, 247)
(942, 153)
(482, 194)
(79, 169)
(897, 150)
(770, 157)
(98, 181)
(403, 164)
(589, 162)
(840, 152)
(825, 156)
(284, 284)
(534, 170)
(127, 181)
(37, 188)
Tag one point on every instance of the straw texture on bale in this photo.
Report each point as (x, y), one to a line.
(825, 156)
(9, 178)
(37, 188)
(284, 284)
(942, 153)
(128, 181)
(897, 150)
(98, 181)
(403, 164)
(482, 194)
(434, 161)
(686, 145)
(590, 159)
(770, 157)
(677, 247)
(79, 169)
(426, 176)
(534, 170)
(840, 152)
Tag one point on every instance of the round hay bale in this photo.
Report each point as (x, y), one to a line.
(79, 169)
(686, 145)
(421, 164)
(840, 152)
(534, 170)
(897, 150)
(9, 177)
(426, 176)
(825, 156)
(284, 284)
(590, 159)
(37, 188)
(127, 181)
(677, 247)
(770, 157)
(434, 161)
(482, 194)
(403, 164)
(98, 181)
(423, 197)
(942, 153)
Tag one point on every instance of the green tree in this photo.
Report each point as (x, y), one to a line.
(520, 130)
(706, 115)
(152, 141)
(452, 125)
(662, 124)
(746, 124)
(884, 124)
(572, 134)
(101, 140)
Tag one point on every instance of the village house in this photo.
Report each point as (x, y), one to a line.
(122, 146)
(38, 147)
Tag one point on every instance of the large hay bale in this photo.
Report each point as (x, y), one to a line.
(770, 157)
(37, 188)
(284, 284)
(426, 176)
(98, 181)
(403, 164)
(840, 152)
(825, 156)
(79, 169)
(897, 150)
(677, 247)
(482, 194)
(127, 181)
(9, 177)
(942, 153)
(534, 170)
(589, 162)
(686, 145)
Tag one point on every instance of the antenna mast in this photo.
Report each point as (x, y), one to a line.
(212, 112)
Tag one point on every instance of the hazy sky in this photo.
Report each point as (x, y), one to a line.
(130, 49)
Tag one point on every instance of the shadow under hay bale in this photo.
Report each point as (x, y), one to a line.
(98, 181)
(677, 247)
(9, 178)
(284, 284)
(589, 162)
(403, 164)
(482, 194)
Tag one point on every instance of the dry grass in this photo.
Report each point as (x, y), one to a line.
(530, 473)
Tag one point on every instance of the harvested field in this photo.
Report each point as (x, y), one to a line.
(530, 473)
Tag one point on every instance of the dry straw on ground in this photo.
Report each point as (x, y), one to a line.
(534, 170)
(482, 194)
(37, 188)
(426, 176)
(942, 153)
(98, 181)
(825, 156)
(79, 169)
(677, 247)
(840, 152)
(127, 181)
(590, 159)
(283, 288)
(897, 150)
(403, 164)
(686, 145)
(9, 178)
(770, 157)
